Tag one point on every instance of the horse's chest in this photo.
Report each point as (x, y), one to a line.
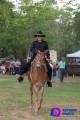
(37, 77)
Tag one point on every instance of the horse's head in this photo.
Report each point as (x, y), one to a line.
(39, 60)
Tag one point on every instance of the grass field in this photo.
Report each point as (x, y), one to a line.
(15, 99)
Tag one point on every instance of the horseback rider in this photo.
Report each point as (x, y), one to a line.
(41, 46)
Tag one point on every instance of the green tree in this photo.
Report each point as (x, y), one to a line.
(6, 18)
(18, 27)
(77, 29)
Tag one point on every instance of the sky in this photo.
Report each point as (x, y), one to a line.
(60, 2)
(63, 2)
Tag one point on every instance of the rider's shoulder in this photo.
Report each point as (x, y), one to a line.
(45, 42)
(33, 42)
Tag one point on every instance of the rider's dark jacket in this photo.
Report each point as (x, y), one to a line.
(41, 46)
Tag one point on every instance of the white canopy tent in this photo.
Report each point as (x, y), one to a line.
(74, 55)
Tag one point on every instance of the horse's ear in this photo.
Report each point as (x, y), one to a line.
(46, 51)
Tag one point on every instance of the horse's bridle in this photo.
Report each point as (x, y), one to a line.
(37, 65)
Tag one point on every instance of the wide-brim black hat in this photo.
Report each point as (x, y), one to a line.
(39, 33)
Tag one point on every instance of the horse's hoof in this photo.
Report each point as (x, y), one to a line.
(36, 111)
(38, 108)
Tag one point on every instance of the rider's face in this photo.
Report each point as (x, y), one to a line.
(39, 38)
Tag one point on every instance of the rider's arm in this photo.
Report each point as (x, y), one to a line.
(47, 48)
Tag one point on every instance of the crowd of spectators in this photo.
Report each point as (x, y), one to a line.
(11, 66)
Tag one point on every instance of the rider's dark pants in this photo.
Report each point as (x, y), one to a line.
(28, 64)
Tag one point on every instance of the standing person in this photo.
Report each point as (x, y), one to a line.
(52, 66)
(13, 63)
(62, 65)
(41, 46)
(17, 66)
(57, 72)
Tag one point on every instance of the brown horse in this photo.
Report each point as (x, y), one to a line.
(37, 77)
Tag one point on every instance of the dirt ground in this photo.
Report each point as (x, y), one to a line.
(26, 113)
(29, 114)
(19, 114)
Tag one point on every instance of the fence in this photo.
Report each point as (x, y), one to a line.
(73, 70)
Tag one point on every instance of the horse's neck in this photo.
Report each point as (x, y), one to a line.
(32, 65)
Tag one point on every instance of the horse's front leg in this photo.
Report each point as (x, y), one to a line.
(31, 92)
(41, 97)
(36, 99)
